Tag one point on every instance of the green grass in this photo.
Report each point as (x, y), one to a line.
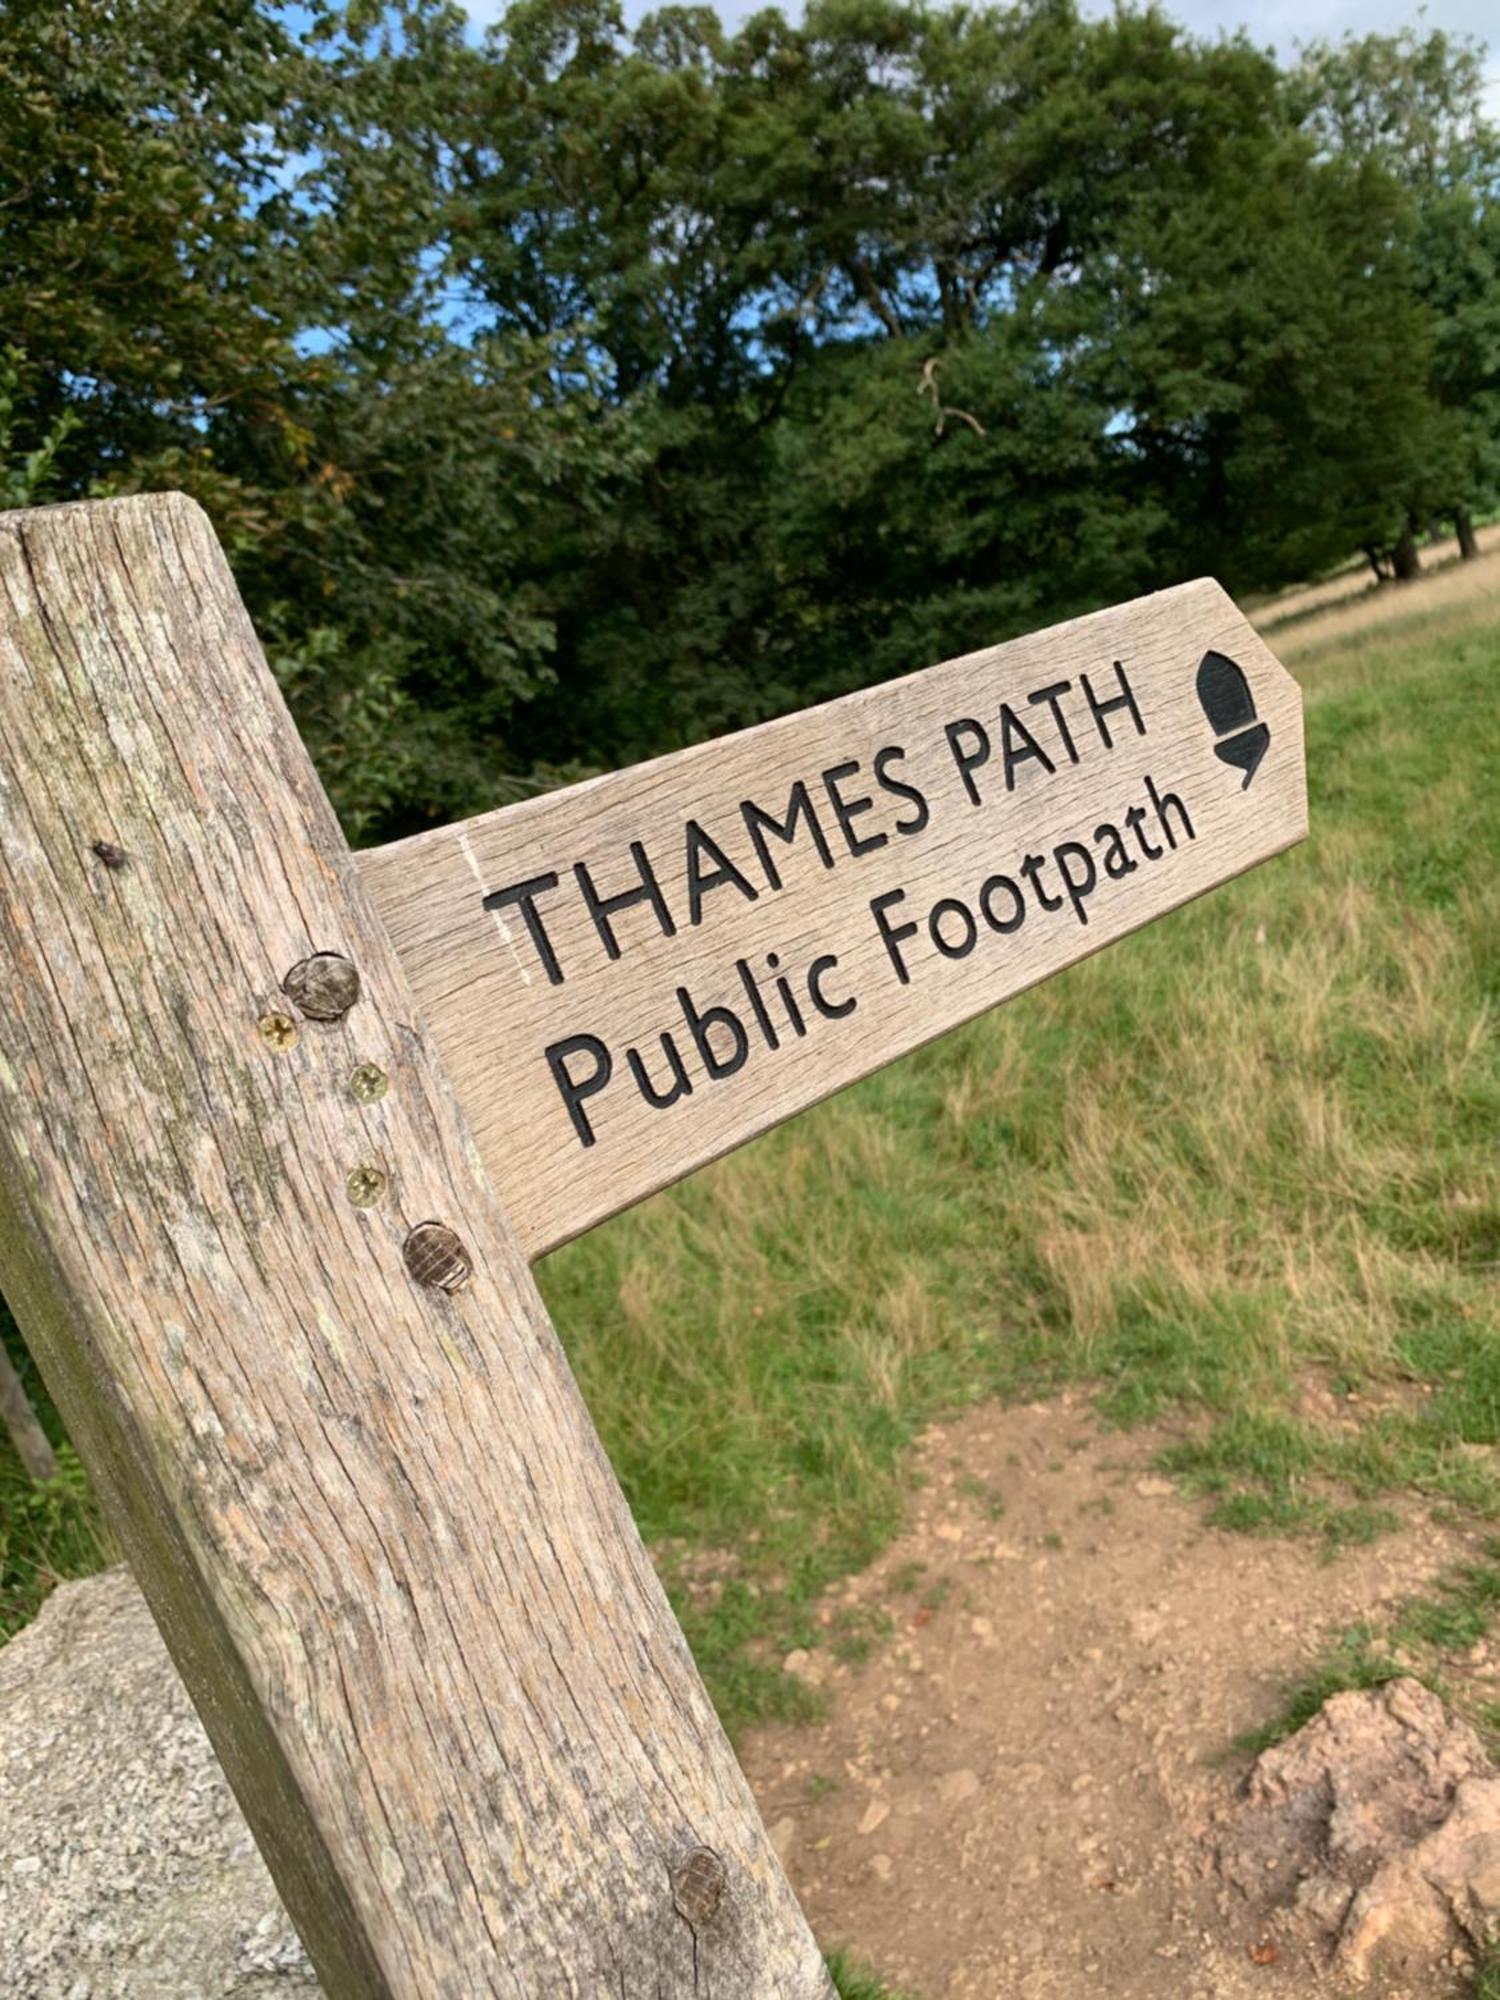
(1248, 1153)
(856, 1982)
(1459, 1612)
(1426, 1640)
(1487, 1975)
(47, 1531)
(1353, 1664)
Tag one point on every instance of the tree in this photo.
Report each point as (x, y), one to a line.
(143, 249)
(224, 267)
(1261, 343)
(1411, 104)
(801, 252)
(570, 397)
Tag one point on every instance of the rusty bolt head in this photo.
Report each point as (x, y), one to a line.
(277, 1031)
(365, 1186)
(369, 1083)
(323, 987)
(698, 1885)
(435, 1256)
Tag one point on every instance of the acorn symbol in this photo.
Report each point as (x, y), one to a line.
(1225, 698)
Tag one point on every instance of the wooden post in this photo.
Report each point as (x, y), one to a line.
(246, 1231)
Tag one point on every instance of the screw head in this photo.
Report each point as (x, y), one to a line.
(277, 1031)
(323, 987)
(369, 1083)
(698, 1885)
(435, 1256)
(365, 1186)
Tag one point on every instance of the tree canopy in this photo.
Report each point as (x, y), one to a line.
(568, 395)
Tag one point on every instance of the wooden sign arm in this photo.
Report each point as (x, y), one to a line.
(247, 1235)
(630, 976)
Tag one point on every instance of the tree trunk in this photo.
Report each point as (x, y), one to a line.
(1468, 541)
(1406, 558)
(26, 1434)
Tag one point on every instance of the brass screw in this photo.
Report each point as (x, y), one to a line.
(369, 1083)
(435, 1256)
(323, 987)
(277, 1031)
(365, 1186)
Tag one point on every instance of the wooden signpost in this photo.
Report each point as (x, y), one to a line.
(282, 1127)
(636, 974)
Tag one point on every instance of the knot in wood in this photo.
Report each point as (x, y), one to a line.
(323, 987)
(435, 1256)
(698, 1885)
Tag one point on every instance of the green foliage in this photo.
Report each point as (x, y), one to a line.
(1487, 1974)
(224, 276)
(25, 475)
(1263, 335)
(1411, 105)
(139, 255)
(580, 394)
(48, 1532)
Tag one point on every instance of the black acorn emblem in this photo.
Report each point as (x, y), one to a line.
(1225, 698)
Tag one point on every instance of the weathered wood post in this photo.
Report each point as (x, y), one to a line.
(247, 1233)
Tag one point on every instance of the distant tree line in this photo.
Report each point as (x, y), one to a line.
(566, 398)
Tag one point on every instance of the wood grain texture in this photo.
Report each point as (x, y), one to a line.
(371, 1515)
(1002, 756)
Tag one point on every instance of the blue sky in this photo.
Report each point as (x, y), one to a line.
(1279, 24)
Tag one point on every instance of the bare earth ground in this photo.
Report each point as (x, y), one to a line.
(1011, 1795)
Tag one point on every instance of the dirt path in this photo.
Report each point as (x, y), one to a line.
(1010, 1795)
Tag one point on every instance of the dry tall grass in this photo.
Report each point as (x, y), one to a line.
(1249, 1146)
(1302, 623)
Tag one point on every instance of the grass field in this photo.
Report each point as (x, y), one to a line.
(1250, 1152)
(1237, 1166)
